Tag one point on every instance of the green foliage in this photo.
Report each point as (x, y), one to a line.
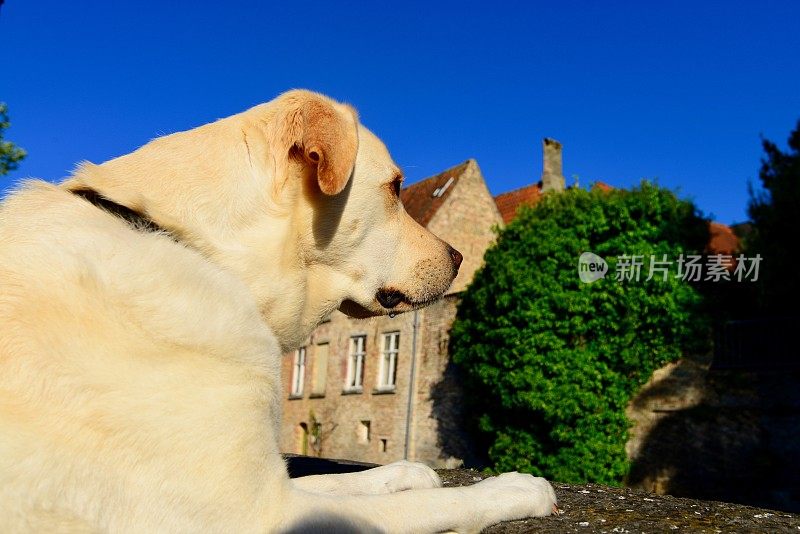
(774, 214)
(552, 362)
(10, 154)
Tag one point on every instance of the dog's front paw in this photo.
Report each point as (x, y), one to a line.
(515, 496)
(401, 476)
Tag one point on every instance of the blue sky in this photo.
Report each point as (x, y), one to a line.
(678, 91)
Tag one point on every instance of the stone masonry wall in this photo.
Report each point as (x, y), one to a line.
(439, 438)
(724, 435)
(465, 220)
(341, 413)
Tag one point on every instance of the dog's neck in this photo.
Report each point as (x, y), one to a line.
(259, 247)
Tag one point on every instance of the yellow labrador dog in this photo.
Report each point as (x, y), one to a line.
(144, 307)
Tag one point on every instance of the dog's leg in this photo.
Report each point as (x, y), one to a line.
(397, 476)
(465, 509)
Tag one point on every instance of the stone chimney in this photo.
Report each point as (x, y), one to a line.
(552, 175)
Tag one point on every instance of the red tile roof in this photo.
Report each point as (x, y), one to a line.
(602, 186)
(721, 240)
(418, 198)
(510, 201)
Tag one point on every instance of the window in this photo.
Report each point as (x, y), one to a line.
(384, 444)
(363, 432)
(320, 370)
(302, 439)
(355, 364)
(298, 372)
(388, 364)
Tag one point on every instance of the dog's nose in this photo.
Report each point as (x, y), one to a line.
(389, 298)
(457, 257)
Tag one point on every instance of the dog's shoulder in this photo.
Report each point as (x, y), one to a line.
(61, 256)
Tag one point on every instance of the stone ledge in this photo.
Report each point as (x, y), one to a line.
(590, 508)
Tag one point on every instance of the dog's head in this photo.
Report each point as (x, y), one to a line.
(297, 199)
(353, 233)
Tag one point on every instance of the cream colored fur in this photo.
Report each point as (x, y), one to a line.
(140, 384)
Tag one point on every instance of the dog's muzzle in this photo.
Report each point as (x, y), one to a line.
(389, 298)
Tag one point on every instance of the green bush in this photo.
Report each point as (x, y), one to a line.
(551, 362)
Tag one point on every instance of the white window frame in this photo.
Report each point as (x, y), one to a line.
(387, 371)
(298, 372)
(355, 363)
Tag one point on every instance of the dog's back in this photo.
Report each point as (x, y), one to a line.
(125, 357)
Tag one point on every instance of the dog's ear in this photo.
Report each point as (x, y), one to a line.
(330, 142)
(324, 133)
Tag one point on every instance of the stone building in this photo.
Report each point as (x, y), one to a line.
(382, 389)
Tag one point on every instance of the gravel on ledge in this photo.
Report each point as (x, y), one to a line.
(593, 508)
